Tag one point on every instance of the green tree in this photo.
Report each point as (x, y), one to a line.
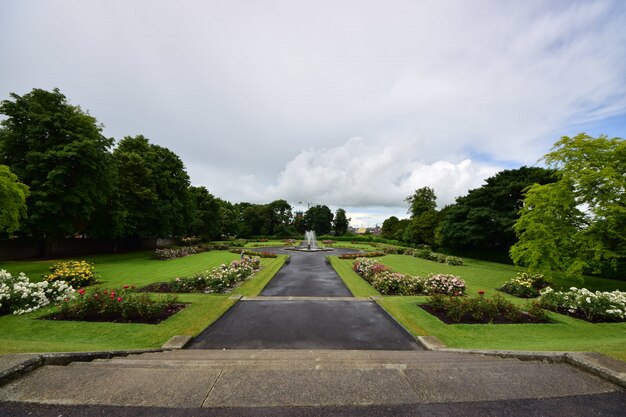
(483, 219)
(319, 218)
(577, 224)
(59, 152)
(341, 222)
(280, 217)
(422, 201)
(205, 214)
(152, 197)
(12, 200)
(390, 227)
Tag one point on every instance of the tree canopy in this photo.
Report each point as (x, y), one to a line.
(577, 224)
(12, 200)
(319, 218)
(59, 152)
(341, 222)
(483, 219)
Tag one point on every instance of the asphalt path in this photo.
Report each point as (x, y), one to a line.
(306, 324)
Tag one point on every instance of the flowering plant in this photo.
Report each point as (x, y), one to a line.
(445, 284)
(219, 278)
(75, 273)
(179, 252)
(387, 282)
(594, 306)
(367, 268)
(18, 295)
(525, 285)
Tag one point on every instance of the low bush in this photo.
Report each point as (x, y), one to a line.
(395, 283)
(374, 254)
(19, 296)
(426, 253)
(454, 261)
(239, 243)
(445, 284)
(580, 302)
(481, 309)
(525, 285)
(247, 252)
(122, 305)
(367, 268)
(217, 279)
(179, 251)
(75, 273)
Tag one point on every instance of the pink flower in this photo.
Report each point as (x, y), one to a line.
(481, 292)
(119, 299)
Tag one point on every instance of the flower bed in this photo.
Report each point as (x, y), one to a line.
(117, 305)
(392, 283)
(219, 279)
(482, 310)
(374, 254)
(581, 303)
(525, 285)
(75, 273)
(19, 296)
(247, 252)
(429, 255)
(166, 254)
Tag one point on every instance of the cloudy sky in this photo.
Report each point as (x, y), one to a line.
(352, 104)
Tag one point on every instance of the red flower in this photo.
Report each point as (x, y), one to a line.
(132, 287)
(119, 299)
(126, 287)
(81, 291)
(481, 292)
(112, 293)
(105, 292)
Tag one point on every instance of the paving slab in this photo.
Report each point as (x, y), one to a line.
(270, 388)
(112, 386)
(285, 324)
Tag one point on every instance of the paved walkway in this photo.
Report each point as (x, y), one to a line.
(305, 306)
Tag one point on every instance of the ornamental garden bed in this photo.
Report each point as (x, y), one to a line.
(157, 318)
(482, 310)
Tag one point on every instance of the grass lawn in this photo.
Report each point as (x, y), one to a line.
(28, 334)
(564, 334)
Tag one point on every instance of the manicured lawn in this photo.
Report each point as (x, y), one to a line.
(564, 334)
(28, 334)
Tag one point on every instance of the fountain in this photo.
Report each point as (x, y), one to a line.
(309, 244)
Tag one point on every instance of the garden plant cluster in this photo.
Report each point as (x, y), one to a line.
(117, 305)
(394, 283)
(75, 273)
(525, 285)
(374, 254)
(217, 279)
(599, 306)
(19, 296)
(178, 252)
(424, 252)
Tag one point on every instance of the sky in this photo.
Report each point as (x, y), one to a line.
(352, 103)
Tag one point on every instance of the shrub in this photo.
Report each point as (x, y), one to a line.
(481, 309)
(328, 242)
(374, 254)
(217, 279)
(445, 284)
(395, 283)
(114, 304)
(179, 252)
(75, 273)
(247, 252)
(367, 268)
(239, 243)
(18, 295)
(593, 306)
(525, 285)
(454, 261)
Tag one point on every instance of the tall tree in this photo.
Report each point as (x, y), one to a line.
(483, 219)
(152, 198)
(424, 218)
(319, 218)
(12, 200)
(341, 222)
(58, 151)
(205, 214)
(390, 227)
(577, 224)
(423, 200)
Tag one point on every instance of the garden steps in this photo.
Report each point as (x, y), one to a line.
(230, 378)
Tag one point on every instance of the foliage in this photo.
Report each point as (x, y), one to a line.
(445, 284)
(318, 218)
(19, 296)
(341, 222)
(422, 201)
(481, 309)
(483, 219)
(368, 268)
(205, 220)
(594, 306)
(152, 197)
(12, 200)
(114, 305)
(374, 254)
(525, 285)
(396, 283)
(78, 274)
(254, 253)
(577, 224)
(426, 253)
(165, 254)
(58, 151)
(217, 279)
